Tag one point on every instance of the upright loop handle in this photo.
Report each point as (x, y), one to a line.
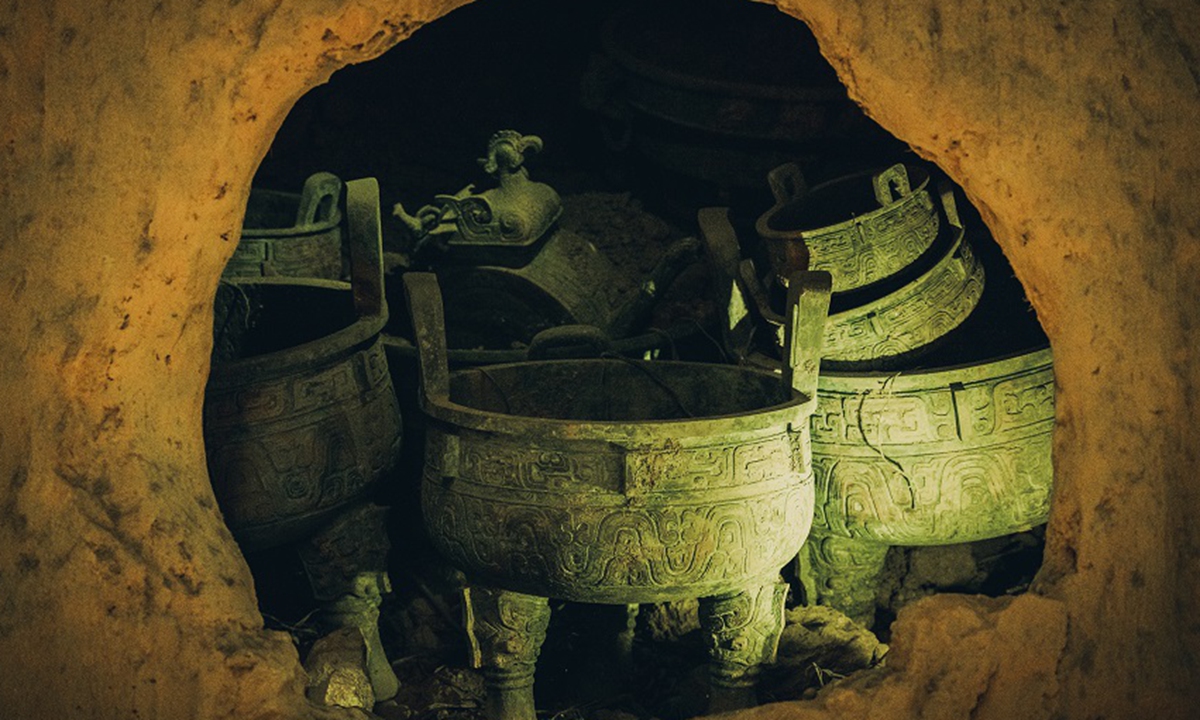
(365, 240)
(724, 256)
(787, 183)
(949, 204)
(319, 199)
(804, 329)
(424, 298)
(894, 177)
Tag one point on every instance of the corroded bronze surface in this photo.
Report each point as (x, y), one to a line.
(506, 630)
(742, 633)
(470, 226)
(914, 317)
(862, 228)
(935, 457)
(953, 453)
(594, 524)
(868, 329)
(292, 235)
(346, 564)
(842, 573)
(508, 269)
(300, 417)
(613, 480)
(617, 481)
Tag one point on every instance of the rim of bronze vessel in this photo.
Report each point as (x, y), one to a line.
(441, 407)
(314, 209)
(311, 246)
(357, 331)
(914, 317)
(701, 88)
(863, 228)
(366, 302)
(607, 471)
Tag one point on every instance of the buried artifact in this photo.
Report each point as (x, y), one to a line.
(292, 235)
(621, 482)
(301, 422)
(955, 450)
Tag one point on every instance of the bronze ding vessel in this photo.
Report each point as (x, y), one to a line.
(862, 228)
(300, 418)
(935, 456)
(292, 235)
(954, 450)
(877, 327)
(622, 482)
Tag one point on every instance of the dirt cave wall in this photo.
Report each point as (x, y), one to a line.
(131, 132)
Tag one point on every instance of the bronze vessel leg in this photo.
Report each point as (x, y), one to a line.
(843, 573)
(624, 643)
(346, 563)
(506, 630)
(742, 632)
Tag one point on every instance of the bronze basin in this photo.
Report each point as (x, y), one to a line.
(615, 481)
(861, 228)
(300, 419)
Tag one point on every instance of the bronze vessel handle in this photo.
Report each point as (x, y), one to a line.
(896, 176)
(424, 298)
(949, 204)
(807, 307)
(319, 199)
(365, 240)
(804, 329)
(787, 183)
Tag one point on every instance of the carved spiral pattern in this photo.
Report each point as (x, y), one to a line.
(875, 246)
(912, 462)
(612, 528)
(285, 453)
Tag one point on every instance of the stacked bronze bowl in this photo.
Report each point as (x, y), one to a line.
(301, 423)
(290, 235)
(935, 400)
(902, 279)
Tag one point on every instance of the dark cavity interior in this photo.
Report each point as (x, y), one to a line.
(833, 203)
(616, 390)
(270, 210)
(253, 319)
